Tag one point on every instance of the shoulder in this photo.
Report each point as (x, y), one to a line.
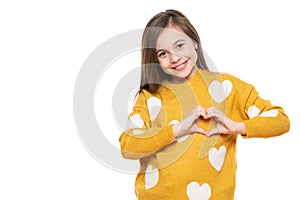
(234, 79)
(141, 97)
(146, 96)
(237, 83)
(240, 88)
(224, 78)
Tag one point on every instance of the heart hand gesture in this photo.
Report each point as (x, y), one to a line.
(225, 125)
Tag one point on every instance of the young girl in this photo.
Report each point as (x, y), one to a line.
(186, 119)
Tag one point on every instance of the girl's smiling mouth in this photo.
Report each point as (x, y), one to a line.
(181, 67)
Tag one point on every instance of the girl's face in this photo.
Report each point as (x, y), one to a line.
(176, 54)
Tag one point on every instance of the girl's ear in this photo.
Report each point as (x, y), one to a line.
(196, 46)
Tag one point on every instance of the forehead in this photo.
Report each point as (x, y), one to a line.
(169, 36)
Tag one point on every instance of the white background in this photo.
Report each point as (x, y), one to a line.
(43, 46)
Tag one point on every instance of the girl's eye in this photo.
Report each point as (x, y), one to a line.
(180, 45)
(162, 54)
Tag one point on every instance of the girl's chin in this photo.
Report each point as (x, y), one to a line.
(180, 78)
(188, 73)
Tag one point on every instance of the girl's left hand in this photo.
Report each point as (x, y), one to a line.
(225, 125)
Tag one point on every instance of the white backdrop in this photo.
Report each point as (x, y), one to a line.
(43, 46)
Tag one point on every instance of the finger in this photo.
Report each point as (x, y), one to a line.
(210, 112)
(217, 115)
(200, 111)
(194, 114)
(203, 114)
(202, 131)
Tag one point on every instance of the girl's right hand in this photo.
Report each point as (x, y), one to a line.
(190, 123)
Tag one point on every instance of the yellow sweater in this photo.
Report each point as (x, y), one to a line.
(194, 167)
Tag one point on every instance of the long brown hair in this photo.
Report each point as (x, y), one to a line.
(151, 72)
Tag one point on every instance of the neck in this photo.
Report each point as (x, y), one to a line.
(176, 80)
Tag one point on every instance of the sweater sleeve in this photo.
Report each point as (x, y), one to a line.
(141, 137)
(263, 119)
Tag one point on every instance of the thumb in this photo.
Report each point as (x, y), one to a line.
(202, 131)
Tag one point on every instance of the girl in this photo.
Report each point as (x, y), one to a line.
(186, 119)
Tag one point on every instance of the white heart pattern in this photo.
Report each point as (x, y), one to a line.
(154, 106)
(137, 132)
(220, 91)
(217, 157)
(151, 177)
(269, 113)
(135, 121)
(183, 138)
(253, 111)
(174, 121)
(196, 192)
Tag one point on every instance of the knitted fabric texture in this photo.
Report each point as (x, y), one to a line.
(194, 166)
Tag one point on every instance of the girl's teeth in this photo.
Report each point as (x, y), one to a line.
(180, 66)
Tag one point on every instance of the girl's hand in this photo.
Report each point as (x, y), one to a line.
(189, 123)
(225, 125)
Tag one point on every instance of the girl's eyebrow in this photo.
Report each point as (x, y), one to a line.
(181, 40)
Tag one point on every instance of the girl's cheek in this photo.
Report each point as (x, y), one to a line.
(163, 62)
(160, 62)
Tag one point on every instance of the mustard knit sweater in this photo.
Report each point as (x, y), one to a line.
(194, 166)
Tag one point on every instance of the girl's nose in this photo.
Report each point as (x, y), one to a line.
(174, 58)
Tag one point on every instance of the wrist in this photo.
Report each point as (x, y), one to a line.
(175, 128)
(242, 129)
